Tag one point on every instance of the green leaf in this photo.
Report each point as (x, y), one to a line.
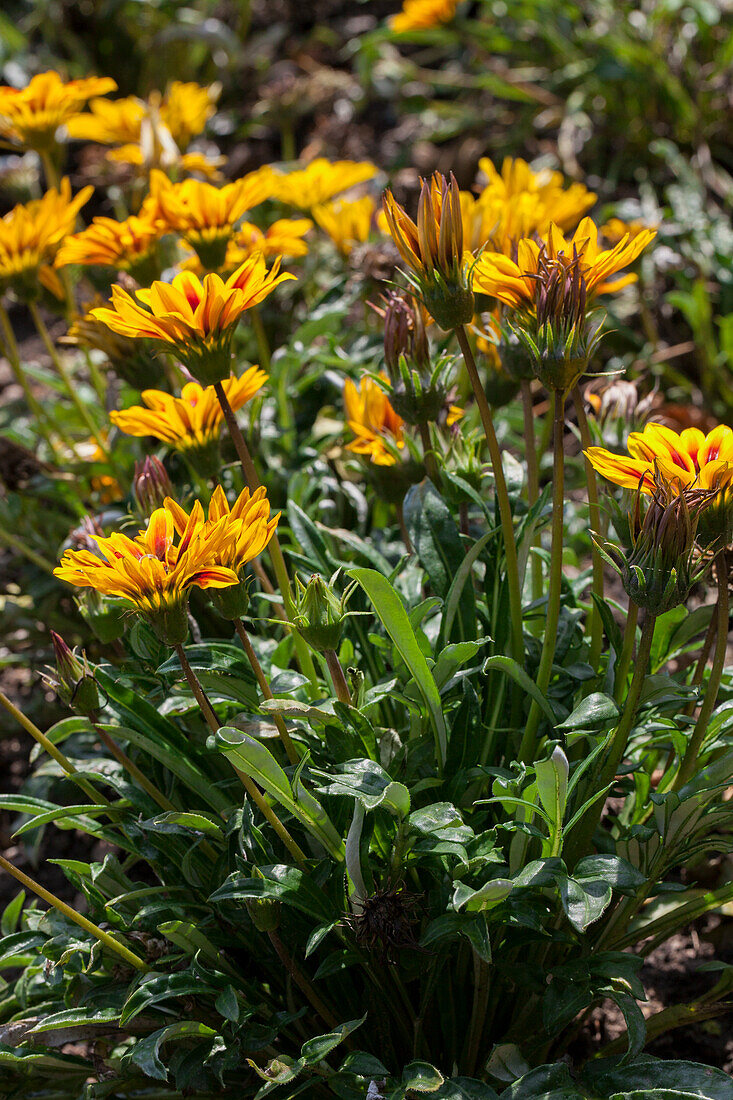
(422, 1077)
(222, 669)
(255, 760)
(517, 673)
(437, 542)
(552, 785)
(596, 711)
(460, 577)
(394, 618)
(492, 893)
(76, 1017)
(161, 987)
(315, 1050)
(368, 782)
(146, 1053)
(281, 883)
(653, 1079)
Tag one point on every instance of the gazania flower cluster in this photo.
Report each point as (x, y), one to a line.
(29, 238)
(689, 459)
(346, 222)
(152, 133)
(129, 245)
(420, 15)
(250, 527)
(154, 571)
(320, 181)
(192, 422)
(206, 216)
(31, 116)
(194, 319)
(549, 285)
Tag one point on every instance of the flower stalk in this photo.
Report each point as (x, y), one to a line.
(596, 623)
(502, 496)
(689, 761)
(549, 642)
(276, 555)
(252, 790)
(265, 689)
(99, 934)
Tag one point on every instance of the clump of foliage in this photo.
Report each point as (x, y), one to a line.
(392, 783)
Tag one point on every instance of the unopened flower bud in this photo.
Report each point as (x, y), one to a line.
(264, 912)
(150, 485)
(658, 570)
(319, 614)
(418, 390)
(72, 679)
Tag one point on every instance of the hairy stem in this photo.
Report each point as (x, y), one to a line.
(340, 685)
(533, 481)
(627, 651)
(596, 623)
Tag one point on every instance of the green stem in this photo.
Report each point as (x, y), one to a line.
(481, 987)
(131, 768)
(549, 642)
(252, 790)
(502, 496)
(586, 827)
(689, 761)
(17, 544)
(533, 481)
(55, 753)
(596, 623)
(104, 938)
(302, 982)
(627, 651)
(276, 555)
(66, 378)
(431, 465)
(340, 685)
(50, 170)
(13, 357)
(702, 660)
(265, 689)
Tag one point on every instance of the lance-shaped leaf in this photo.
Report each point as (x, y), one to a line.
(255, 760)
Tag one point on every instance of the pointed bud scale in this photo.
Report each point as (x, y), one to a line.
(150, 485)
(72, 680)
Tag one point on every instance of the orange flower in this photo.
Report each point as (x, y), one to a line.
(206, 216)
(130, 245)
(420, 15)
(195, 319)
(192, 421)
(154, 572)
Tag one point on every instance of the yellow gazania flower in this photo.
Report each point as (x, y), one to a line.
(419, 15)
(156, 132)
(247, 529)
(692, 458)
(614, 229)
(191, 421)
(284, 238)
(377, 427)
(195, 319)
(346, 222)
(688, 460)
(154, 572)
(248, 520)
(514, 283)
(129, 245)
(32, 115)
(320, 181)
(29, 238)
(206, 216)
(433, 250)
